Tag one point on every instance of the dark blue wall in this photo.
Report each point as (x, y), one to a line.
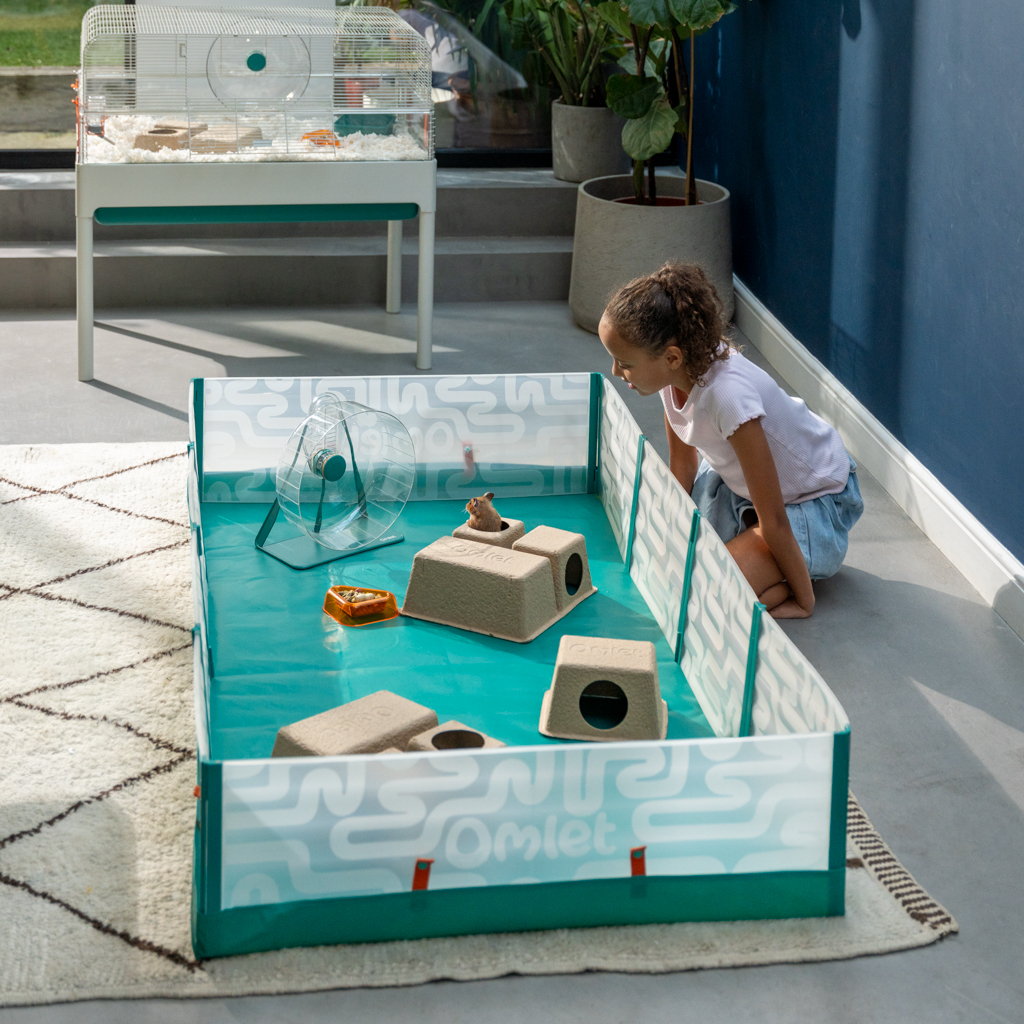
(875, 154)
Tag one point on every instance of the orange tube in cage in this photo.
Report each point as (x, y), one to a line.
(78, 120)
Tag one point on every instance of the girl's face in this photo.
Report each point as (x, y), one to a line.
(643, 371)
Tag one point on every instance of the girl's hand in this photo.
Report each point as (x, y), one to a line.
(789, 609)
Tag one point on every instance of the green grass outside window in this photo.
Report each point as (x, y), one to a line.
(41, 33)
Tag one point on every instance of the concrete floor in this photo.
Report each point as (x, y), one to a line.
(932, 680)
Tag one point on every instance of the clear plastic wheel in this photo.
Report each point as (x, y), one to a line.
(258, 67)
(346, 473)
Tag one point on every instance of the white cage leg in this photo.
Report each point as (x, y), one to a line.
(84, 296)
(425, 296)
(393, 302)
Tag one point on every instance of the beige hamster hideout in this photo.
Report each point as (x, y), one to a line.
(512, 593)
(172, 84)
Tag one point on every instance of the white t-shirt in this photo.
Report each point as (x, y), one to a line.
(809, 454)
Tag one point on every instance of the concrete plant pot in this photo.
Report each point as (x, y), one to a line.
(616, 242)
(586, 142)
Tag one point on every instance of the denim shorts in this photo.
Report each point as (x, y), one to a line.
(821, 526)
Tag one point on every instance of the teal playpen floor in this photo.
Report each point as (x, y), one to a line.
(278, 658)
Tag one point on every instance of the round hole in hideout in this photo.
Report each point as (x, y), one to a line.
(603, 704)
(573, 573)
(456, 739)
(256, 61)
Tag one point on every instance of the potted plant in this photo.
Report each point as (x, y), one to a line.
(579, 47)
(629, 225)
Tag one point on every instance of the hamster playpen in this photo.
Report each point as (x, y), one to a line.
(739, 813)
(254, 115)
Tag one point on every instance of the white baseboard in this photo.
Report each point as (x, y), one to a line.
(986, 564)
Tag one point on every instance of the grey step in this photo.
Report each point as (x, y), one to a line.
(39, 206)
(283, 271)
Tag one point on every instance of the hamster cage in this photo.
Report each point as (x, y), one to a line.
(167, 84)
(255, 115)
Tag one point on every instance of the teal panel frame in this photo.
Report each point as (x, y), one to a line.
(649, 899)
(285, 213)
(594, 437)
(210, 841)
(642, 440)
(198, 393)
(840, 800)
(747, 712)
(684, 601)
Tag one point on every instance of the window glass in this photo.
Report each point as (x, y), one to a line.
(39, 42)
(488, 93)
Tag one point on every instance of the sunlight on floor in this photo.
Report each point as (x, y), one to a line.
(350, 338)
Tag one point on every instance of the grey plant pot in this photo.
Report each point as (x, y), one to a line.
(616, 242)
(586, 142)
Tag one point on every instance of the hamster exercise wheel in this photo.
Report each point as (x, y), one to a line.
(343, 479)
(251, 67)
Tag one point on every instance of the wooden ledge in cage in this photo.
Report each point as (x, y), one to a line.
(225, 138)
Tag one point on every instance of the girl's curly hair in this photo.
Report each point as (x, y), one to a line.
(676, 305)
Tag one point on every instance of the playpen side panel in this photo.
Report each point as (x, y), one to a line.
(790, 695)
(200, 606)
(717, 634)
(317, 828)
(619, 436)
(663, 519)
(519, 435)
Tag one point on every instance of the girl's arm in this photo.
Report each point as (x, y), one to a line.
(768, 554)
(683, 458)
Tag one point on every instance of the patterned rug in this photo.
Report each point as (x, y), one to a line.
(97, 758)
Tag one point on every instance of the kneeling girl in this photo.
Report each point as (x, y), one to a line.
(771, 477)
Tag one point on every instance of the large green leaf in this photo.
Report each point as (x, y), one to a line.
(616, 16)
(648, 12)
(699, 14)
(649, 135)
(631, 96)
(681, 122)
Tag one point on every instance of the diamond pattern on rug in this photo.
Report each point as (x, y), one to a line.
(95, 603)
(137, 492)
(80, 641)
(82, 535)
(156, 698)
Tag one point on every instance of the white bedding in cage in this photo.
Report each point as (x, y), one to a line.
(117, 145)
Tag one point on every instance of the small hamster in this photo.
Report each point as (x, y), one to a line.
(483, 515)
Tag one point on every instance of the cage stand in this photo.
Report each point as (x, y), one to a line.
(228, 193)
